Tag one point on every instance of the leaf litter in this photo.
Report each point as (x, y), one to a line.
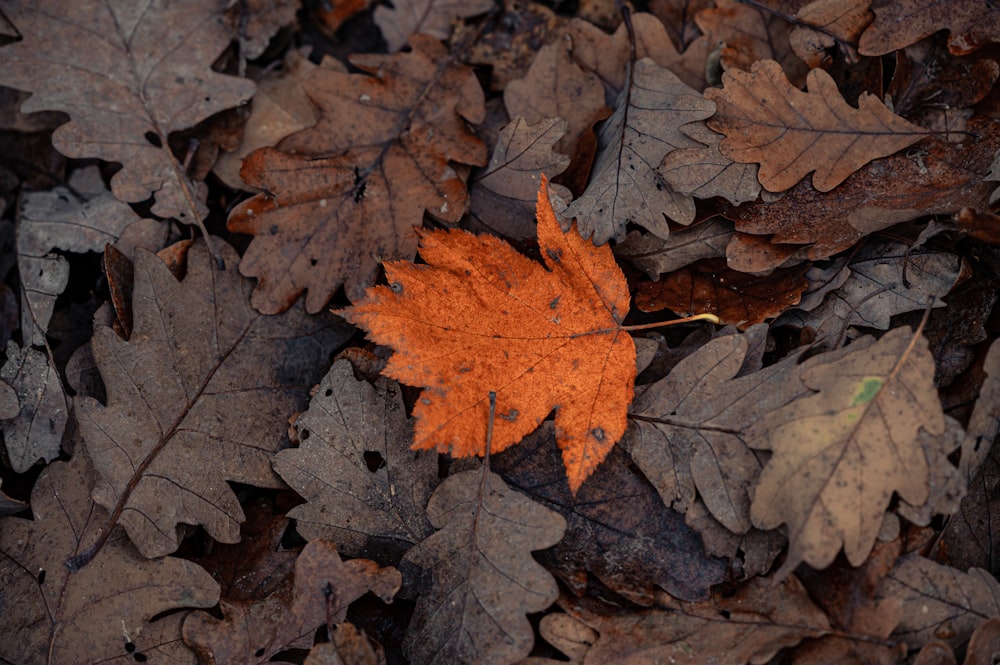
(201, 409)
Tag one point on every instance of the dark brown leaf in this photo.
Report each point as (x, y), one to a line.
(899, 23)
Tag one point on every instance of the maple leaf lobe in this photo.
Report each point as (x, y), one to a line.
(481, 318)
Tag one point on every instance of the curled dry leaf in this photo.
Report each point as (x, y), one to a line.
(840, 453)
(199, 396)
(940, 602)
(624, 185)
(481, 318)
(791, 133)
(121, 91)
(735, 297)
(899, 23)
(656, 255)
(750, 626)
(350, 427)
(503, 194)
(430, 17)
(346, 194)
(324, 586)
(88, 616)
(479, 581)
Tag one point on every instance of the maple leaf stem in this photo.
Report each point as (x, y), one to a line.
(687, 319)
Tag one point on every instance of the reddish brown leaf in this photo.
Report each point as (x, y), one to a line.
(346, 194)
(827, 23)
(926, 75)
(481, 318)
(199, 395)
(735, 297)
(678, 18)
(899, 23)
(791, 133)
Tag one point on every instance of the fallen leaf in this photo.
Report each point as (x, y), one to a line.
(927, 75)
(254, 632)
(618, 528)
(346, 193)
(704, 172)
(624, 185)
(677, 17)
(430, 17)
(940, 602)
(364, 488)
(840, 453)
(899, 23)
(655, 255)
(121, 91)
(940, 178)
(198, 396)
(984, 643)
(568, 634)
(35, 432)
(347, 647)
(735, 297)
(89, 616)
(749, 554)
(823, 24)
(478, 579)
(791, 133)
(481, 318)
(687, 428)
(255, 22)
(502, 195)
(751, 625)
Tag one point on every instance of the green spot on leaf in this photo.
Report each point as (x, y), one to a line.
(866, 392)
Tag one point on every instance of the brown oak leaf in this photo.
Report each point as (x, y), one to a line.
(655, 255)
(200, 395)
(347, 193)
(823, 24)
(899, 23)
(478, 579)
(791, 133)
(121, 91)
(430, 17)
(840, 453)
(350, 427)
(481, 318)
(103, 613)
(704, 172)
(624, 185)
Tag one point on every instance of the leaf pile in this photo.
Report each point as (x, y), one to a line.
(337, 332)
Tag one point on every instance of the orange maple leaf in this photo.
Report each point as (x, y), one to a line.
(481, 318)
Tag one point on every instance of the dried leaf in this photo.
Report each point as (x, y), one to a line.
(255, 22)
(103, 613)
(624, 186)
(36, 430)
(479, 580)
(836, 23)
(362, 484)
(677, 17)
(749, 626)
(656, 255)
(984, 643)
(618, 528)
(324, 586)
(568, 634)
(503, 194)
(121, 90)
(735, 297)
(429, 17)
(899, 23)
(840, 453)
(704, 172)
(940, 602)
(349, 647)
(346, 194)
(791, 133)
(198, 396)
(456, 325)
(927, 76)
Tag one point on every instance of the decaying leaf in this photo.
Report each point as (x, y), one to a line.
(926, 75)
(35, 431)
(121, 91)
(198, 396)
(618, 528)
(791, 133)
(362, 483)
(656, 255)
(625, 186)
(255, 21)
(940, 602)
(481, 318)
(899, 23)
(429, 17)
(840, 453)
(704, 172)
(834, 23)
(323, 587)
(750, 626)
(479, 580)
(503, 194)
(103, 613)
(347, 193)
(735, 297)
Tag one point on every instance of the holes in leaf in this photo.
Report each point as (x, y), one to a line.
(259, 653)
(129, 647)
(139, 657)
(153, 139)
(313, 262)
(328, 392)
(304, 434)
(374, 460)
(41, 576)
